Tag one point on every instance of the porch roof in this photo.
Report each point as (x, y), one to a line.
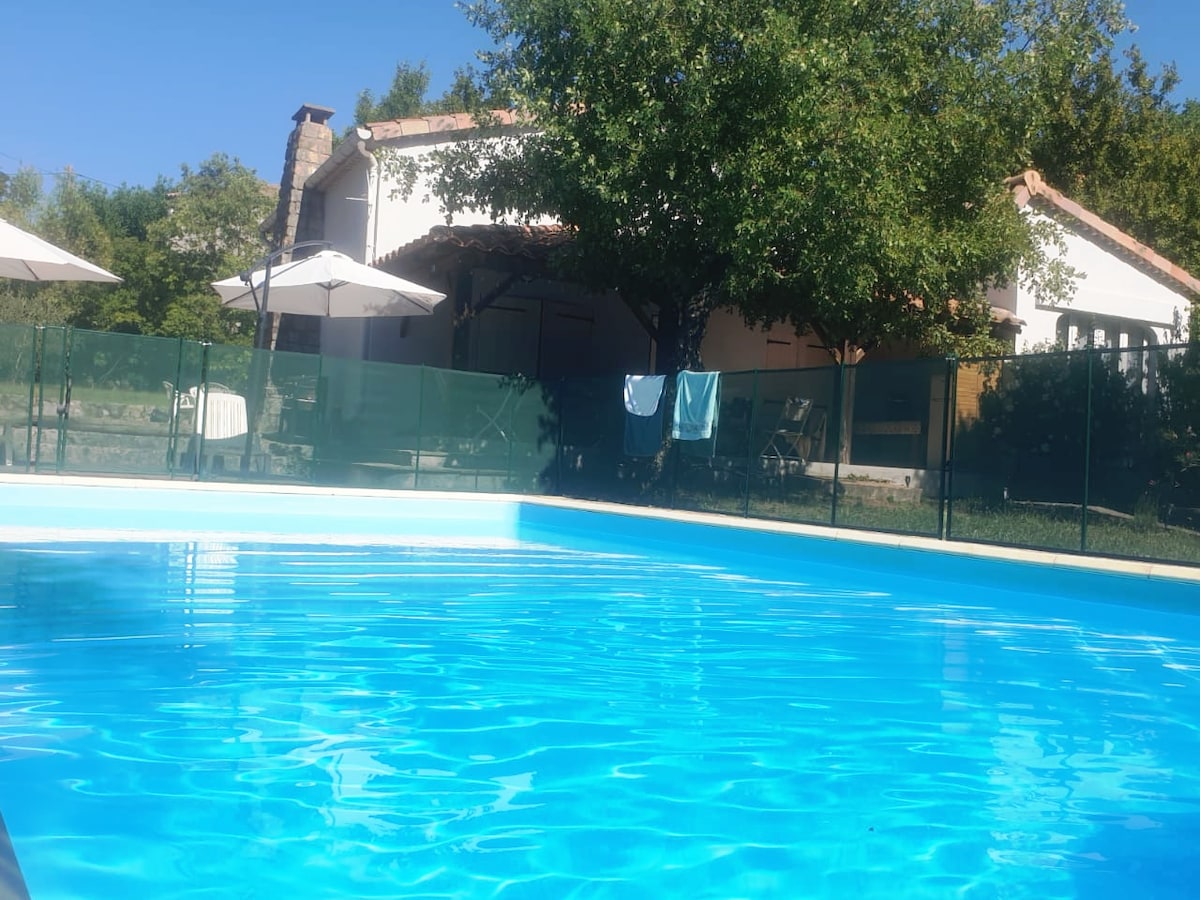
(527, 247)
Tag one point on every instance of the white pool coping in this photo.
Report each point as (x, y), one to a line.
(10, 533)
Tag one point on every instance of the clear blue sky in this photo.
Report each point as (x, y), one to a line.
(129, 90)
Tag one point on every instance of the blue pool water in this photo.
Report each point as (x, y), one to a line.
(578, 719)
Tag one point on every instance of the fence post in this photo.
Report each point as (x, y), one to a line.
(560, 405)
(41, 395)
(420, 427)
(35, 381)
(949, 422)
(750, 457)
(173, 422)
(839, 388)
(318, 420)
(64, 404)
(1087, 441)
(197, 438)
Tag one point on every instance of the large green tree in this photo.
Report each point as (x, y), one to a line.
(210, 232)
(168, 242)
(838, 164)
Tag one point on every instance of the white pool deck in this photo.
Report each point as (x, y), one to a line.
(47, 508)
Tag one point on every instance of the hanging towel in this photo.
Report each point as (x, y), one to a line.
(643, 434)
(696, 405)
(643, 414)
(643, 393)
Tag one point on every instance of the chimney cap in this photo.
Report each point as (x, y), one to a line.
(310, 112)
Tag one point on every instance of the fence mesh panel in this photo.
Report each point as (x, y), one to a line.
(483, 432)
(791, 444)
(892, 446)
(18, 361)
(49, 403)
(123, 408)
(593, 464)
(1143, 489)
(364, 419)
(1019, 450)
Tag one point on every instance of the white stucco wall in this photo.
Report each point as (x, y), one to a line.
(397, 218)
(346, 209)
(1110, 289)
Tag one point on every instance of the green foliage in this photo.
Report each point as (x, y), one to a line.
(1034, 423)
(468, 92)
(837, 164)
(408, 96)
(168, 243)
(19, 194)
(404, 99)
(1179, 474)
(1135, 434)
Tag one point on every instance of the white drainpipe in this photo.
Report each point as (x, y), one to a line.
(372, 229)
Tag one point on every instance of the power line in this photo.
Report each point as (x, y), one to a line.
(68, 171)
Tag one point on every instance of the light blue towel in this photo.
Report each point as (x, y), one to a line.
(695, 405)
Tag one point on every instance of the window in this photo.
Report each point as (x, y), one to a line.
(1076, 331)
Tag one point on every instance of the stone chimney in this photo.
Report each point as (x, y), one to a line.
(299, 218)
(310, 144)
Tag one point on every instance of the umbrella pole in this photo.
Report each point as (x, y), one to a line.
(259, 365)
(256, 392)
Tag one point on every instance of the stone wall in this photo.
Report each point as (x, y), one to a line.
(299, 216)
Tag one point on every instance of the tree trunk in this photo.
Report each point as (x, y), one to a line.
(846, 425)
(681, 328)
(849, 355)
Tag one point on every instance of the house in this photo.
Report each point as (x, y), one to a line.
(508, 311)
(1125, 294)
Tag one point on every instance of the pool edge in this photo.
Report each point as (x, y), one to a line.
(509, 523)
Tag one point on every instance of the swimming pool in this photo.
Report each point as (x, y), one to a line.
(479, 697)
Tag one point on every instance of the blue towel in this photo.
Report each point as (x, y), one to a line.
(696, 405)
(643, 434)
(643, 414)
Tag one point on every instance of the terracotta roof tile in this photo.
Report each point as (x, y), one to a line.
(1029, 189)
(1002, 316)
(527, 241)
(442, 124)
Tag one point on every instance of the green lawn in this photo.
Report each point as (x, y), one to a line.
(1019, 526)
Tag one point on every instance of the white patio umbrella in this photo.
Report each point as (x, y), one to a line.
(327, 284)
(29, 258)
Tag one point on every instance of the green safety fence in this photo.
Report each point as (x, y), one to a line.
(1088, 451)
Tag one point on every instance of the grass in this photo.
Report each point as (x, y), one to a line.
(1019, 526)
(1105, 535)
(18, 393)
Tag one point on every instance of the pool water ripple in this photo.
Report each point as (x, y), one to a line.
(195, 721)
